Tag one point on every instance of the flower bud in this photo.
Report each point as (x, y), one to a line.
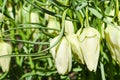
(90, 47)
(74, 41)
(62, 55)
(112, 36)
(5, 49)
(69, 28)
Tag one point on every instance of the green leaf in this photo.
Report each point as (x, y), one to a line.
(95, 12)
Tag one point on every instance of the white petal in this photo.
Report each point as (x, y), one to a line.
(69, 28)
(53, 50)
(73, 39)
(5, 49)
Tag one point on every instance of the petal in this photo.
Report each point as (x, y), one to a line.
(73, 39)
(53, 50)
(5, 49)
(69, 28)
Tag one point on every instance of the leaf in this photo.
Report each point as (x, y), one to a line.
(95, 12)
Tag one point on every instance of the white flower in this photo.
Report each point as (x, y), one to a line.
(5, 49)
(74, 41)
(112, 36)
(62, 55)
(90, 47)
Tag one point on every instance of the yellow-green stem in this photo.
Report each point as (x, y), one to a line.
(67, 2)
(117, 9)
(87, 20)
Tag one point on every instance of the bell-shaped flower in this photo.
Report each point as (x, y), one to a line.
(90, 47)
(112, 36)
(5, 49)
(62, 55)
(74, 41)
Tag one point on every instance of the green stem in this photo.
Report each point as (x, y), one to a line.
(3, 76)
(91, 75)
(42, 27)
(24, 41)
(67, 2)
(102, 71)
(87, 18)
(117, 9)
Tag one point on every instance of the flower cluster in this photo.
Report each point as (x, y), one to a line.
(84, 45)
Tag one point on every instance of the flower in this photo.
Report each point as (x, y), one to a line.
(62, 55)
(90, 47)
(74, 41)
(112, 36)
(5, 49)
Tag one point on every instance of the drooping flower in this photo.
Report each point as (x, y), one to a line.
(5, 49)
(112, 36)
(74, 41)
(90, 47)
(62, 55)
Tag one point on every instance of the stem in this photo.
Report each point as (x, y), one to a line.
(87, 20)
(91, 75)
(117, 9)
(102, 71)
(24, 41)
(67, 2)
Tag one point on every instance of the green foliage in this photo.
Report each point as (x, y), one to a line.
(31, 59)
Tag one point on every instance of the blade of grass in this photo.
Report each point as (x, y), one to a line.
(3, 7)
